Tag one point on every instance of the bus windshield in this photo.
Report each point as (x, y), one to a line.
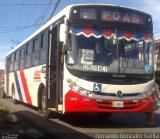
(110, 51)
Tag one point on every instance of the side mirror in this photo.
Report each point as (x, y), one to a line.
(70, 59)
(62, 33)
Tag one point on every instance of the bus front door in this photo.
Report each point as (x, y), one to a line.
(54, 71)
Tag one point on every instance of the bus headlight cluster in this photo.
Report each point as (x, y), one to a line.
(78, 89)
(147, 94)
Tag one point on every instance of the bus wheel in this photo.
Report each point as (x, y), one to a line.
(150, 118)
(13, 96)
(44, 110)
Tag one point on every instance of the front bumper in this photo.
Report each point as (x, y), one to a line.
(75, 102)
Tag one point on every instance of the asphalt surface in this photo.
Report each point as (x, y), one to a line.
(87, 126)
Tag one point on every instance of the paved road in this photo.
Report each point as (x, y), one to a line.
(122, 125)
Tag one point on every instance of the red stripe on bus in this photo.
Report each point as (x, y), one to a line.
(25, 87)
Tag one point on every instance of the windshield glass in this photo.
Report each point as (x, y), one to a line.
(109, 50)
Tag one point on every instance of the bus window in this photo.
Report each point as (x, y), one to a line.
(22, 55)
(17, 60)
(35, 50)
(11, 64)
(43, 46)
(7, 64)
(28, 54)
(42, 40)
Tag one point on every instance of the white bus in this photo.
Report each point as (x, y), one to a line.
(88, 58)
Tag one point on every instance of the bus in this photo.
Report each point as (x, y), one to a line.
(95, 58)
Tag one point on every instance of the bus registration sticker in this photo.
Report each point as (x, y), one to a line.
(117, 104)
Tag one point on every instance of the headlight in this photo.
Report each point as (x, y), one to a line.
(147, 94)
(78, 89)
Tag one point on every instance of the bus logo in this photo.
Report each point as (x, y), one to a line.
(119, 94)
(97, 87)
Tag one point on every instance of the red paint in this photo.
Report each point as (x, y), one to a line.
(25, 87)
(37, 76)
(88, 31)
(146, 36)
(108, 32)
(80, 105)
(128, 34)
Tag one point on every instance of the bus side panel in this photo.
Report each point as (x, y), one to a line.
(15, 86)
(26, 83)
(12, 85)
(30, 80)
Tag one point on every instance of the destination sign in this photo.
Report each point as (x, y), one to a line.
(114, 16)
(110, 14)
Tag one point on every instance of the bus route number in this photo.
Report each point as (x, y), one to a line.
(87, 54)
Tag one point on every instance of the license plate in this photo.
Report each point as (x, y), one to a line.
(117, 104)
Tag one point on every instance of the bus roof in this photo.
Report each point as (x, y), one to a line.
(65, 12)
(111, 5)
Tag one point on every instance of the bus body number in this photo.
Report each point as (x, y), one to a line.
(95, 68)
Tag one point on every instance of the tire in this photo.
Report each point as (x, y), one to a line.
(15, 101)
(43, 108)
(150, 119)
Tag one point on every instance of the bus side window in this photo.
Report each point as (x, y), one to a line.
(35, 52)
(22, 54)
(43, 46)
(10, 66)
(7, 63)
(16, 64)
(12, 61)
(28, 55)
